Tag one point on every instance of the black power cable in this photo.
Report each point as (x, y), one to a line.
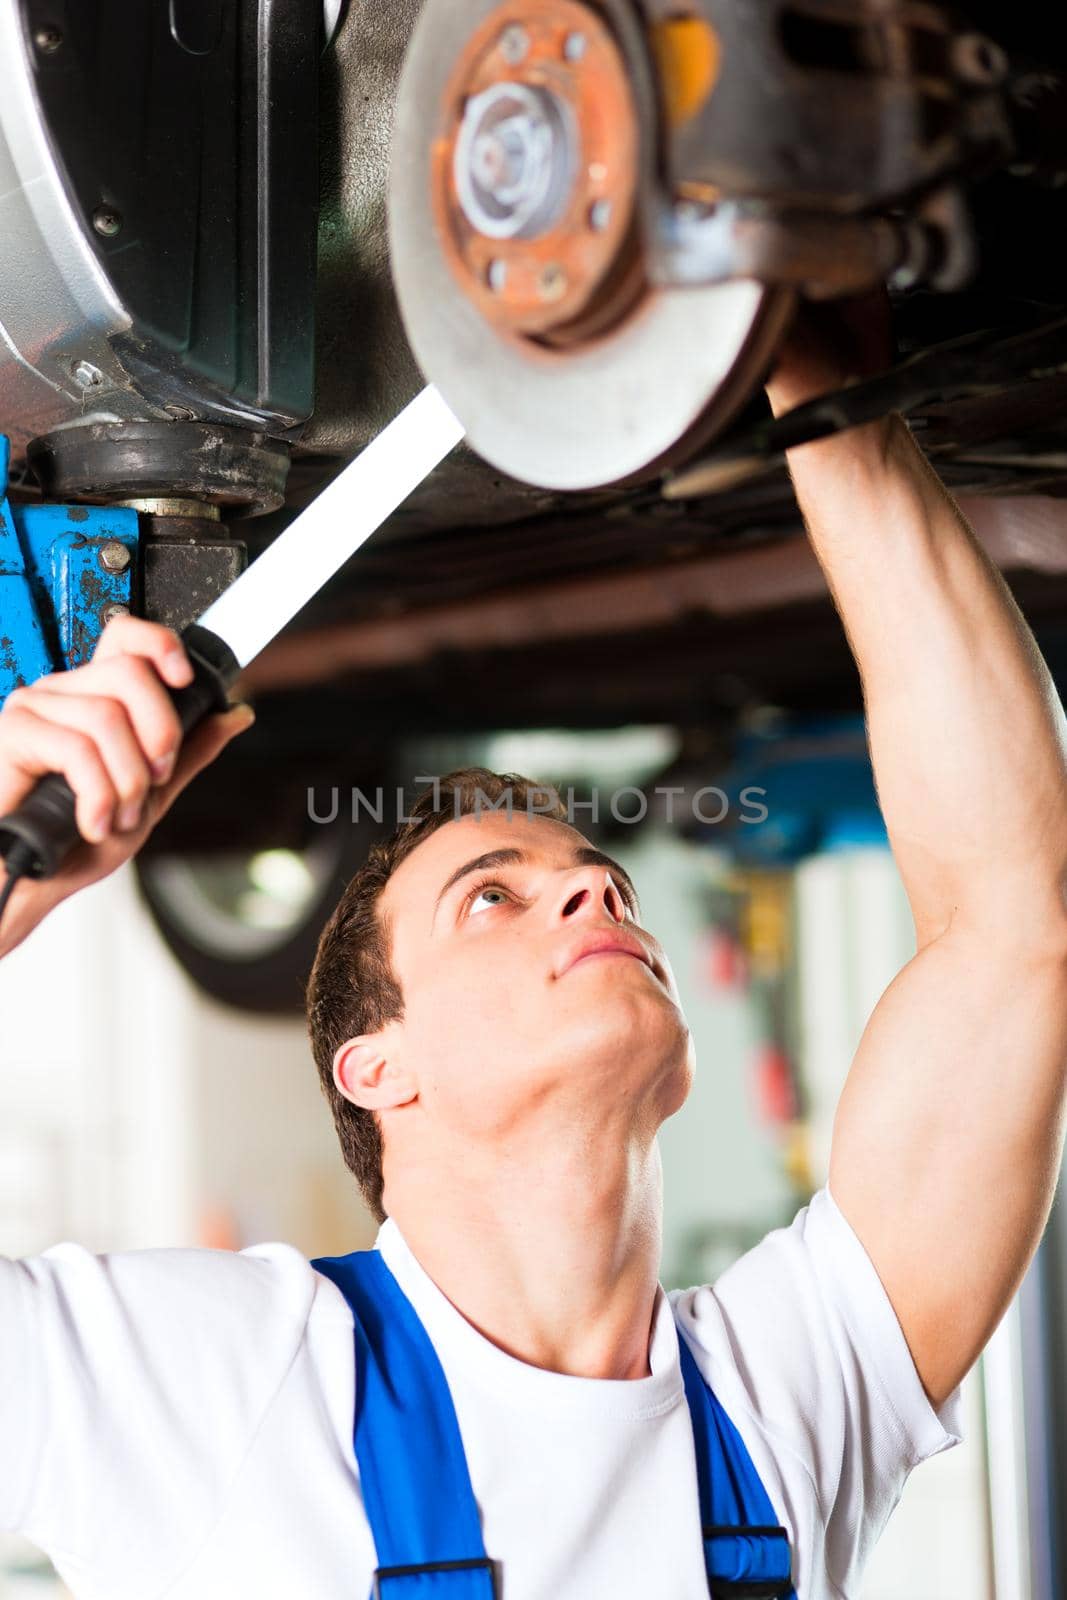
(20, 860)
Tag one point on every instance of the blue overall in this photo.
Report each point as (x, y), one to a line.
(417, 1490)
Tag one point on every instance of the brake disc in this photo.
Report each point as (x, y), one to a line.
(522, 184)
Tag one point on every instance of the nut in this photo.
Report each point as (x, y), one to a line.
(574, 46)
(553, 284)
(88, 376)
(600, 215)
(514, 44)
(114, 556)
(112, 611)
(497, 275)
(47, 40)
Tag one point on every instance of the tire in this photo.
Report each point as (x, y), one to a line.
(195, 902)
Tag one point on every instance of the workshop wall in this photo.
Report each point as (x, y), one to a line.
(853, 933)
(136, 1113)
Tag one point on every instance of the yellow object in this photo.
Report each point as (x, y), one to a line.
(797, 1158)
(765, 925)
(689, 57)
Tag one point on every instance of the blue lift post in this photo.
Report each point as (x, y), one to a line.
(813, 776)
(62, 570)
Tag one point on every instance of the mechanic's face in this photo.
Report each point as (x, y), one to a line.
(529, 985)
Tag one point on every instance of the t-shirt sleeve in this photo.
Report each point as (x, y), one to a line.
(131, 1386)
(802, 1346)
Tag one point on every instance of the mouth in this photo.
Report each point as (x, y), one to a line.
(609, 946)
(591, 955)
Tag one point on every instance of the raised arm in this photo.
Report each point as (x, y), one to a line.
(949, 1132)
(112, 731)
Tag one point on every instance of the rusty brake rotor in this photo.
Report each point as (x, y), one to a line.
(525, 173)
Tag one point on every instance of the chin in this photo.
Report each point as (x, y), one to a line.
(639, 1034)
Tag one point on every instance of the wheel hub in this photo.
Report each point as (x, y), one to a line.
(526, 179)
(535, 167)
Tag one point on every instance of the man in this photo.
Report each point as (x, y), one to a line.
(501, 1040)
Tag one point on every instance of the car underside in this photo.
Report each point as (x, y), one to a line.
(239, 238)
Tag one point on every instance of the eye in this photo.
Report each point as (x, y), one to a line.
(626, 896)
(485, 892)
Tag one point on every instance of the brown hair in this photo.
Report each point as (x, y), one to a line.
(351, 988)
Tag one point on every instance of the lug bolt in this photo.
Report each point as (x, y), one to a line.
(107, 221)
(600, 215)
(114, 556)
(110, 612)
(574, 47)
(497, 275)
(514, 44)
(553, 281)
(48, 40)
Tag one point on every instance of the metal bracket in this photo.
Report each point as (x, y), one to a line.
(64, 572)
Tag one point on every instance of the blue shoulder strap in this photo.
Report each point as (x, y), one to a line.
(412, 1466)
(419, 1499)
(746, 1550)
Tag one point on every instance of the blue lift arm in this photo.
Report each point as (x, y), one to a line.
(64, 571)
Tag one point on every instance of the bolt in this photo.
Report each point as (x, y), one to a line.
(904, 278)
(47, 40)
(574, 46)
(88, 376)
(114, 556)
(600, 215)
(497, 275)
(514, 44)
(689, 211)
(107, 221)
(110, 612)
(553, 281)
(978, 60)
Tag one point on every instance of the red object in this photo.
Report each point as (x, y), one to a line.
(773, 1080)
(724, 965)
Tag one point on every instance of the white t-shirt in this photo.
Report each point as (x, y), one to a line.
(178, 1423)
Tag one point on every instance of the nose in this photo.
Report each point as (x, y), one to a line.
(590, 892)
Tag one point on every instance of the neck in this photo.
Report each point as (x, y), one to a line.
(554, 1259)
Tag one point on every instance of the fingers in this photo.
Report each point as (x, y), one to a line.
(131, 683)
(111, 728)
(830, 344)
(127, 758)
(157, 644)
(32, 745)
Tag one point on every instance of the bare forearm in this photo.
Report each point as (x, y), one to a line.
(948, 1140)
(949, 1132)
(968, 737)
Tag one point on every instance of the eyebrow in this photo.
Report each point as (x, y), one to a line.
(585, 856)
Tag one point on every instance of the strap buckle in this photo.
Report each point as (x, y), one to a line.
(773, 1586)
(475, 1563)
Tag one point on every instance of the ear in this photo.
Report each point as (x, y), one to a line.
(368, 1071)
